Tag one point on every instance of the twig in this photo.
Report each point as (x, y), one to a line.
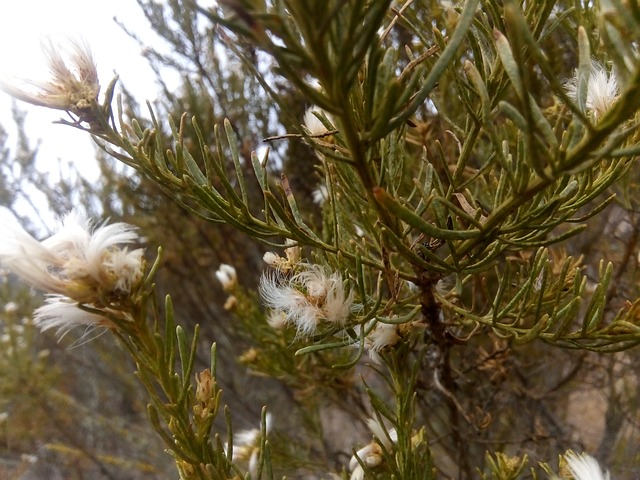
(299, 135)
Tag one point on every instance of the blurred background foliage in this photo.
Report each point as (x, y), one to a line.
(70, 411)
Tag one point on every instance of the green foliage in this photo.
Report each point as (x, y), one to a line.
(461, 163)
(548, 172)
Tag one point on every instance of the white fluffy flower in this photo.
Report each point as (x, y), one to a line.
(307, 297)
(279, 295)
(73, 85)
(83, 263)
(585, 467)
(602, 89)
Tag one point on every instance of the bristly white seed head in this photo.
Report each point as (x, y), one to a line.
(279, 295)
(62, 314)
(585, 467)
(73, 85)
(308, 297)
(78, 261)
(602, 89)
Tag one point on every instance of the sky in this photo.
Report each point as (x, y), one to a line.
(25, 24)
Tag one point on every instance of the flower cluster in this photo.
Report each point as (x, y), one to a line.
(78, 264)
(73, 86)
(307, 298)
